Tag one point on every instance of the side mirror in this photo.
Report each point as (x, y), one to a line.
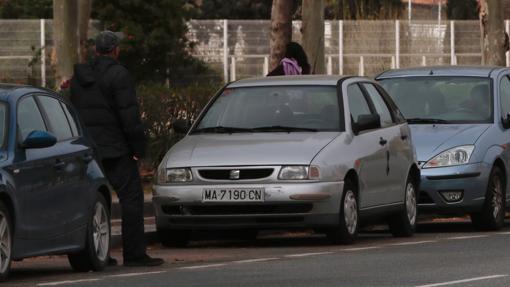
(506, 121)
(39, 139)
(181, 126)
(367, 122)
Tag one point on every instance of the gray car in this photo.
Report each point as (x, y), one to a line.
(460, 120)
(307, 151)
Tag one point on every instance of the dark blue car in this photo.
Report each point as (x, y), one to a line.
(54, 198)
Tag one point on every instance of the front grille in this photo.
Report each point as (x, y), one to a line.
(425, 198)
(224, 174)
(242, 209)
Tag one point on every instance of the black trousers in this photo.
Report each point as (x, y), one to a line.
(124, 177)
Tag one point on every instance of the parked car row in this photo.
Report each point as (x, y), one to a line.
(330, 153)
(334, 153)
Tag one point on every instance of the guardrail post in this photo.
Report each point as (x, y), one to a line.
(452, 43)
(340, 47)
(265, 68)
(233, 68)
(507, 29)
(361, 66)
(43, 53)
(397, 44)
(330, 66)
(225, 50)
(424, 60)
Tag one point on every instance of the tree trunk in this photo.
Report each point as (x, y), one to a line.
(65, 37)
(281, 30)
(84, 8)
(493, 33)
(313, 34)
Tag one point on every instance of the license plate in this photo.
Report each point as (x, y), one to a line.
(233, 195)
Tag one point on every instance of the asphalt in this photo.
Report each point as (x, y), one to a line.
(441, 254)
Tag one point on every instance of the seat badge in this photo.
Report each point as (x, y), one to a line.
(235, 174)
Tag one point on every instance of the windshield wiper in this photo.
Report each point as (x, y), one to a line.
(222, 130)
(426, 121)
(283, 129)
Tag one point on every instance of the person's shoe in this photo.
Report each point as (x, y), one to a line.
(112, 261)
(145, 261)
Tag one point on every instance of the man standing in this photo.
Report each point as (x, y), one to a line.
(105, 97)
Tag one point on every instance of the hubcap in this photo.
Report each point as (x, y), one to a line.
(350, 212)
(101, 232)
(497, 196)
(411, 203)
(5, 244)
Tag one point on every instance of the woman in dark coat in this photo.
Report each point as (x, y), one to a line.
(295, 62)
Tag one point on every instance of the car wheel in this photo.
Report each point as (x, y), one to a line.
(347, 229)
(492, 215)
(5, 242)
(403, 224)
(96, 253)
(173, 237)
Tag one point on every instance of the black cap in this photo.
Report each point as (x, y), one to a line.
(106, 41)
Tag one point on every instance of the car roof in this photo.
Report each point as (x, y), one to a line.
(308, 80)
(472, 71)
(9, 91)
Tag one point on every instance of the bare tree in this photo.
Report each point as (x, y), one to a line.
(313, 34)
(84, 8)
(493, 34)
(281, 30)
(65, 37)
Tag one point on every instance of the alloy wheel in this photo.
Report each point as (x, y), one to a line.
(350, 212)
(101, 232)
(497, 196)
(5, 244)
(411, 203)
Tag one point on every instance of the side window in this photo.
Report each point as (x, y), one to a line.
(29, 118)
(72, 120)
(357, 102)
(56, 117)
(505, 96)
(380, 105)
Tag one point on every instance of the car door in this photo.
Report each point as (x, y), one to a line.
(399, 152)
(504, 97)
(71, 175)
(371, 149)
(35, 178)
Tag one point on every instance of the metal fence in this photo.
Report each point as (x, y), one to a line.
(240, 48)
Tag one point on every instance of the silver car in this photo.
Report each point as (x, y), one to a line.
(319, 152)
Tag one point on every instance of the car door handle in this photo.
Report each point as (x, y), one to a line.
(87, 158)
(404, 137)
(383, 141)
(59, 165)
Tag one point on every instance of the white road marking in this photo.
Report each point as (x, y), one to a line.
(463, 281)
(67, 282)
(466, 237)
(307, 254)
(360, 248)
(254, 260)
(502, 233)
(412, 243)
(136, 274)
(203, 266)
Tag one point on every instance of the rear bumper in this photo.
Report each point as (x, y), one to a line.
(471, 179)
(181, 207)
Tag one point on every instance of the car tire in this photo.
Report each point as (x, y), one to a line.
(347, 230)
(5, 242)
(403, 224)
(492, 215)
(173, 237)
(95, 255)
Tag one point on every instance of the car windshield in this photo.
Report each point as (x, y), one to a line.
(3, 124)
(273, 109)
(442, 100)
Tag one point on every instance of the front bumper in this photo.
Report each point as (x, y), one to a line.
(315, 204)
(471, 179)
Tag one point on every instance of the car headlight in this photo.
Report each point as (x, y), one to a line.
(454, 156)
(299, 172)
(173, 175)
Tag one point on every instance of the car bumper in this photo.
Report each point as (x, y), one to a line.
(285, 206)
(471, 179)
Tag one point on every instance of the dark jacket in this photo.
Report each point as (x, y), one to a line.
(105, 97)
